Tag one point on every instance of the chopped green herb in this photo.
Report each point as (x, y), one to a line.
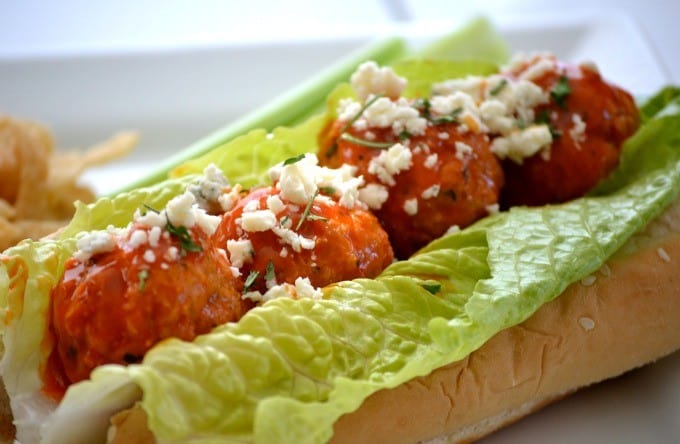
(181, 232)
(433, 288)
(327, 190)
(150, 208)
(367, 143)
(269, 272)
(543, 117)
(250, 280)
(561, 91)
(451, 117)
(405, 135)
(284, 221)
(425, 105)
(498, 88)
(307, 211)
(358, 114)
(312, 216)
(143, 275)
(292, 160)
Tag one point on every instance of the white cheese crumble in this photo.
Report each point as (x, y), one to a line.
(431, 192)
(295, 240)
(259, 220)
(149, 256)
(431, 161)
(462, 150)
(578, 131)
(183, 210)
(390, 162)
(453, 229)
(398, 115)
(411, 206)
(240, 252)
(493, 209)
(374, 195)
(94, 242)
(275, 204)
(210, 187)
(228, 200)
(138, 238)
(302, 288)
(521, 144)
(370, 79)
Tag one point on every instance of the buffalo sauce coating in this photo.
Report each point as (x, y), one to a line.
(468, 182)
(576, 162)
(117, 306)
(348, 243)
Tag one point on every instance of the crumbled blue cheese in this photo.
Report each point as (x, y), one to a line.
(385, 113)
(138, 238)
(374, 195)
(210, 187)
(390, 162)
(259, 220)
(462, 150)
(431, 161)
(411, 206)
(183, 210)
(275, 204)
(431, 192)
(91, 243)
(295, 240)
(302, 288)
(578, 131)
(228, 200)
(240, 252)
(521, 144)
(370, 79)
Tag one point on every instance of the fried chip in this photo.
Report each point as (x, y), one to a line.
(39, 185)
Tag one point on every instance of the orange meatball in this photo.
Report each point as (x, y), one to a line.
(117, 305)
(578, 158)
(454, 179)
(338, 243)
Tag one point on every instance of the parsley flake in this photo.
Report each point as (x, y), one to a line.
(292, 160)
(143, 275)
(308, 209)
(250, 280)
(269, 272)
(499, 87)
(181, 232)
(432, 288)
(367, 143)
(561, 91)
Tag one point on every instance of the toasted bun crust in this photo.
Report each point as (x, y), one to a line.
(624, 316)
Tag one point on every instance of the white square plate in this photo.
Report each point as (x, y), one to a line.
(174, 96)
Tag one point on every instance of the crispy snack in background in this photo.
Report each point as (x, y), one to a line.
(38, 185)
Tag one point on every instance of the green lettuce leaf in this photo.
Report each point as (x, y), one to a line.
(288, 369)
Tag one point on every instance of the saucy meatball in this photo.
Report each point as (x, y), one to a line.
(589, 120)
(444, 177)
(274, 240)
(151, 283)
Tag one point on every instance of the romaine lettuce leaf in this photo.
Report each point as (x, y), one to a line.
(287, 370)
